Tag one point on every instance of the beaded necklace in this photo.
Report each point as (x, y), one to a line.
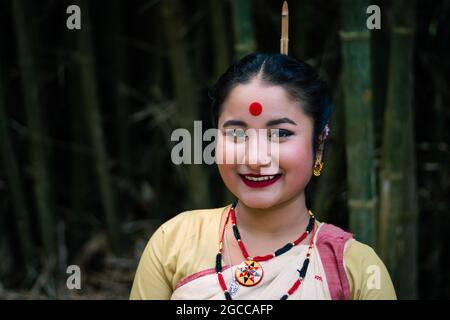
(234, 285)
(249, 272)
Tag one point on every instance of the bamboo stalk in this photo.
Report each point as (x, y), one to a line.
(219, 39)
(93, 115)
(186, 96)
(222, 61)
(359, 120)
(244, 33)
(33, 107)
(284, 42)
(115, 51)
(398, 207)
(11, 169)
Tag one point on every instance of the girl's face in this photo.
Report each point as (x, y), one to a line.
(286, 164)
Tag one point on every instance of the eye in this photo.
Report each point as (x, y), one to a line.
(238, 135)
(279, 133)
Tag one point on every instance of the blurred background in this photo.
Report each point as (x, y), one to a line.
(86, 117)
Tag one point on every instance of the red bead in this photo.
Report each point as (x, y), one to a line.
(294, 287)
(233, 217)
(263, 258)
(302, 237)
(222, 282)
(244, 251)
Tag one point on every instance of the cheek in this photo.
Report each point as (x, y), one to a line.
(229, 177)
(227, 167)
(296, 159)
(225, 171)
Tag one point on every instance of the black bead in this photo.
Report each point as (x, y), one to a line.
(235, 203)
(282, 250)
(310, 224)
(302, 272)
(236, 232)
(228, 296)
(219, 262)
(284, 297)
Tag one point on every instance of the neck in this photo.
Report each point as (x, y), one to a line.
(284, 217)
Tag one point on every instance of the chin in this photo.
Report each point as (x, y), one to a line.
(259, 202)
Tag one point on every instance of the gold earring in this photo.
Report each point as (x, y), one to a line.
(318, 166)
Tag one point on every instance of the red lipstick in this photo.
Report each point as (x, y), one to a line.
(258, 180)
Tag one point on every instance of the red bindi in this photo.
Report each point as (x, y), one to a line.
(255, 108)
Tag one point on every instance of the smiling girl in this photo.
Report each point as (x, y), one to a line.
(272, 113)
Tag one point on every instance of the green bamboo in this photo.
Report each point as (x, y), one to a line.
(116, 55)
(80, 162)
(359, 119)
(113, 48)
(222, 59)
(380, 39)
(158, 75)
(301, 22)
(398, 215)
(186, 96)
(221, 52)
(11, 169)
(244, 41)
(40, 173)
(156, 62)
(380, 42)
(438, 218)
(90, 100)
(244, 35)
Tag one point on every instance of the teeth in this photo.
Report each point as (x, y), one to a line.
(259, 178)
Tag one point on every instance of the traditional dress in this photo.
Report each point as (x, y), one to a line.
(179, 263)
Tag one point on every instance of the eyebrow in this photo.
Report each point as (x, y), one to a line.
(268, 124)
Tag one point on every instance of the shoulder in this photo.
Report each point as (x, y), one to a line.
(359, 256)
(173, 250)
(192, 221)
(367, 274)
(360, 252)
(348, 259)
(188, 228)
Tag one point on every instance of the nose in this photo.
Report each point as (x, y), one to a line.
(257, 151)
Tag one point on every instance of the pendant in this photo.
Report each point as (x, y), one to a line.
(249, 273)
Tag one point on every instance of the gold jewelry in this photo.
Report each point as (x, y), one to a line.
(318, 166)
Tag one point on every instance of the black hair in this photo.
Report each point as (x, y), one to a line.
(297, 77)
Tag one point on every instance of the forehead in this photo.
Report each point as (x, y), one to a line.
(275, 101)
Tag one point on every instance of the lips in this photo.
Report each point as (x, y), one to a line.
(258, 180)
